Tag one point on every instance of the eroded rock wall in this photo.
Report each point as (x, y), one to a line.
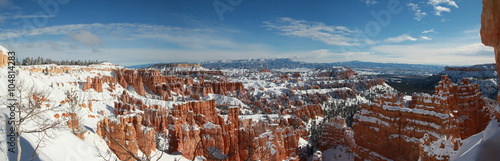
(393, 130)
(490, 27)
(196, 128)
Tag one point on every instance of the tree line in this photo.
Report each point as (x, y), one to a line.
(41, 61)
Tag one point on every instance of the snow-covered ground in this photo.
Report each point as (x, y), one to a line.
(482, 146)
(61, 144)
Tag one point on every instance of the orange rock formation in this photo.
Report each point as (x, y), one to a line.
(3, 58)
(196, 129)
(394, 131)
(490, 27)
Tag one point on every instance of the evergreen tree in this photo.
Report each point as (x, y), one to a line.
(41, 61)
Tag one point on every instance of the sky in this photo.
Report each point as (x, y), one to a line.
(132, 32)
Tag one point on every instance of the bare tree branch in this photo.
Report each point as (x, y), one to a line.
(123, 147)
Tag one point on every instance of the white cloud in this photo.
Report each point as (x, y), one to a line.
(425, 38)
(186, 37)
(401, 38)
(438, 6)
(133, 55)
(419, 14)
(432, 53)
(428, 53)
(439, 2)
(332, 35)
(429, 49)
(370, 2)
(429, 31)
(87, 38)
(439, 9)
(324, 53)
(31, 16)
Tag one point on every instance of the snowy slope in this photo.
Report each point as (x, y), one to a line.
(482, 146)
(60, 143)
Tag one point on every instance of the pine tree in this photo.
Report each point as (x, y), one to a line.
(26, 61)
(38, 61)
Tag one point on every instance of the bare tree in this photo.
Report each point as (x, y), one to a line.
(213, 152)
(160, 148)
(107, 156)
(31, 110)
(75, 114)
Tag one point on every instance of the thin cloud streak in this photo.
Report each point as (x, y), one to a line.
(425, 38)
(332, 35)
(187, 37)
(401, 38)
(429, 31)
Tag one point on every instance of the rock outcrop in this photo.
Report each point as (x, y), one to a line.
(56, 69)
(490, 27)
(224, 87)
(337, 72)
(97, 82)
(127, 135)
(394, 130)
(130, 78)
(197, 129)
(3, 58)
(165, 86)
(335, 132)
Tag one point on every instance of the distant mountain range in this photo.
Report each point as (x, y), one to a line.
(369, 68)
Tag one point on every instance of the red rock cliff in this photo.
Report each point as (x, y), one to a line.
(196, 128)
(490, 27)
(127, 135)
(394, 131)
(335, 132)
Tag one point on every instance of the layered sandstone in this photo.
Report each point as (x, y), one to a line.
(165, 86)
(490, 30)
(473, 112)
(335, 132)
(260, 140)
(97, 82)
(490, 22)
(394, 131)
(224, 87)
(130, 78)
(197, 129)
(127, 135)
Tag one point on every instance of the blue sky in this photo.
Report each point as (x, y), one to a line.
(129, 32)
